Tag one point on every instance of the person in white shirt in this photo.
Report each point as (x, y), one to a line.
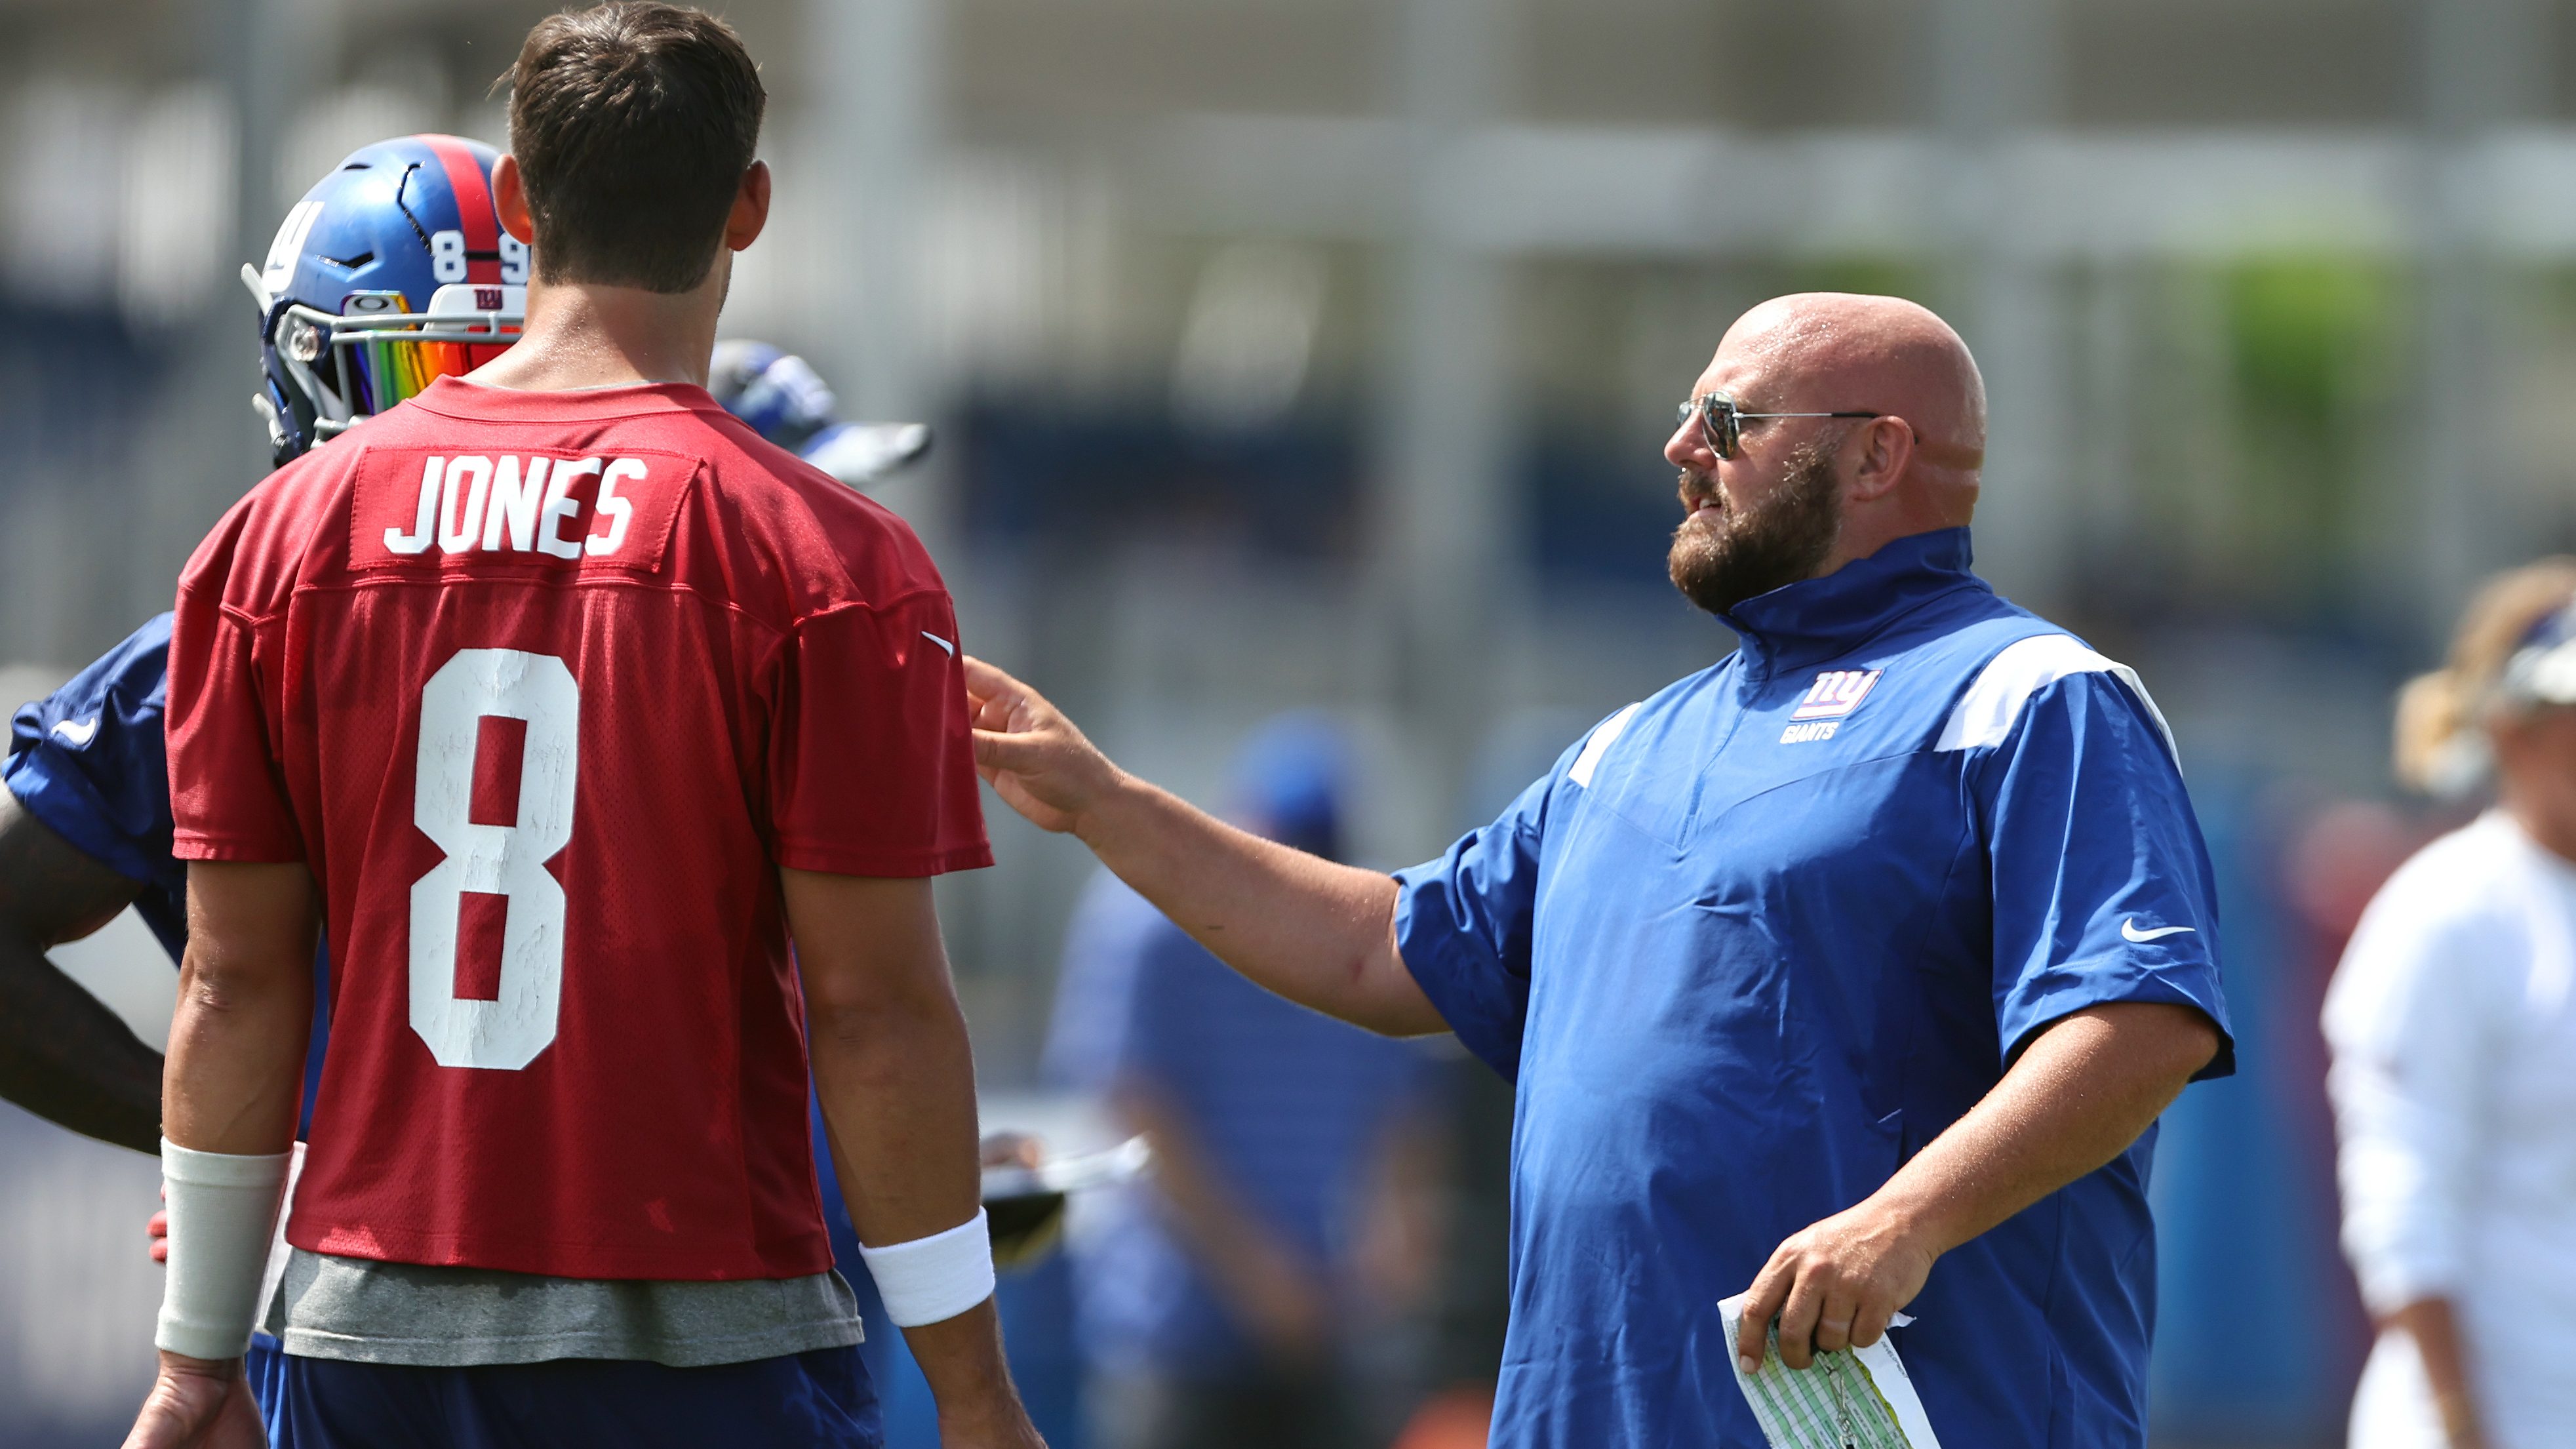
(2452, 1021)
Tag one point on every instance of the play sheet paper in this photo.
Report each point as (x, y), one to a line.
(1850, 1399)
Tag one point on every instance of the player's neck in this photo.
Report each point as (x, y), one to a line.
(583, 334)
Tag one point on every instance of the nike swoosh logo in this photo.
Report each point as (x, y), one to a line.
(942, 643)
(2129, 931)
(77, 732)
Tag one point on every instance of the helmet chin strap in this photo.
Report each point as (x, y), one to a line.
(280, 446)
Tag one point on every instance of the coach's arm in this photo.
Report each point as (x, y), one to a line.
(1316, 932)
(2082, 1091)
(63, 1055)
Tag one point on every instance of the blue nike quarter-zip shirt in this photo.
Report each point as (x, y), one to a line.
(1756, 940)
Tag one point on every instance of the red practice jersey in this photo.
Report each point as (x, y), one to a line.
(543, 687)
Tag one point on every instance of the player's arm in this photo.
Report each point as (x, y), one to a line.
(63, 1055)
(896, 1076)
(228, 1108)
(2082, 1091)
(237, 1037)
(1319, 933)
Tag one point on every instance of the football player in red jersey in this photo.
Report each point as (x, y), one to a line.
(566, 702)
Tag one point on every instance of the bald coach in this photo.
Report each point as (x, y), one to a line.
(1852, 970)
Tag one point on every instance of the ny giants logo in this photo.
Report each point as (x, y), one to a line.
(1836, 693)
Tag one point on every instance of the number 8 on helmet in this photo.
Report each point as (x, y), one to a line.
(392, 271)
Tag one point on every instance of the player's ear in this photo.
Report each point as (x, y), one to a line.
(510, 199)
(750, 208)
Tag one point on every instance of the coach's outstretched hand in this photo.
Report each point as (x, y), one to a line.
(198, 1404)
(1315, 931)
(1031, 755)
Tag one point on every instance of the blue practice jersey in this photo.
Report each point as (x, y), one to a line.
(1756, 940)
(88, 761)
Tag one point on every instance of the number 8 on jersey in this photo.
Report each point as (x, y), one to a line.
(483, 858)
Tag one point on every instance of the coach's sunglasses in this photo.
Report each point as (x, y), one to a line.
(1721, 426)
(1721, 420)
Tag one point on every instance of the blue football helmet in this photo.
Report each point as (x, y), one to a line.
(787, 402)
(391, 272)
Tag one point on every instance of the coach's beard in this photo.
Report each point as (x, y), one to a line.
(1722, 556)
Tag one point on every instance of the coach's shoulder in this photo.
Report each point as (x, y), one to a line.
(2006, 666)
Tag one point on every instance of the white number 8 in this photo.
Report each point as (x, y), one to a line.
(504, 860)
(447, 255)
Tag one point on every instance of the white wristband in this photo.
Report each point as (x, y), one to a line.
(222, 1207)
(932, 1279)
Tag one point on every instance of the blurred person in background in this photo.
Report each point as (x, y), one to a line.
(2452, 1023)
(1468, 1306)
(1216, 1304)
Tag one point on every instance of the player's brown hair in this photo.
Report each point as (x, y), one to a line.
(2435, 711)
(633, 123)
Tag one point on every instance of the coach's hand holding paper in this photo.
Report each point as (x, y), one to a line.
(1858, 1398)
(2083, 1090)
